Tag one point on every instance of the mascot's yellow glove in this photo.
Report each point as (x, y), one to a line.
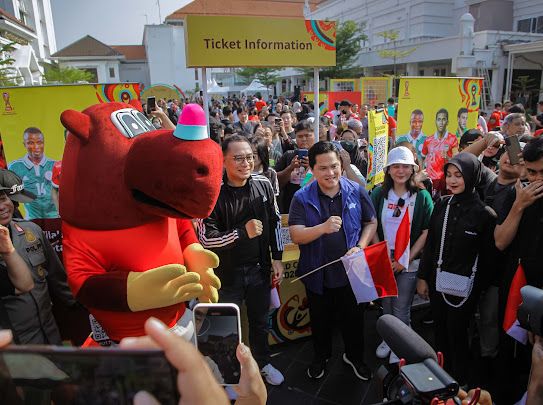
(161, 287)
(203, 261)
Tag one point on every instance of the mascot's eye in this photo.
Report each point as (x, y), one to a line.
(144, 120)
(129, 123)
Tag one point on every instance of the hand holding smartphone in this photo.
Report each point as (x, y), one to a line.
(151, 104)
(218, 334)
(512, 146)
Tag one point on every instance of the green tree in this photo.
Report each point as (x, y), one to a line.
(8, 74)
(67, 75)
(349, 34)
(394, 54)
(267, 76)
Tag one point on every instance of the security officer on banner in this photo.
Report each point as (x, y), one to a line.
(30, 314)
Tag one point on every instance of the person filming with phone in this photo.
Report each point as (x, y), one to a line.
(293, 165)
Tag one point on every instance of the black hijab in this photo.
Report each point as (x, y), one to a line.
(471, 170)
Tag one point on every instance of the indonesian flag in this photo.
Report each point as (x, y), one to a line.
(514, 299)
(402, 242)
(370, 273)
(275, 302)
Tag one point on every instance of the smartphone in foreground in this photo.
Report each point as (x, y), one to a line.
(70, 375)
(151, 104)
(512, 146)
(218, 334)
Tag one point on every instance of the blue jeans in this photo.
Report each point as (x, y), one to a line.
(400, 306)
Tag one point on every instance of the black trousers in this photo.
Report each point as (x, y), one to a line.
(339, 302)
(451, 332)
(251, 284)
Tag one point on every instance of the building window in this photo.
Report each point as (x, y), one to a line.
(111, 73)
(421, 72)
(533, 25)
(23, 13)
(195, 74)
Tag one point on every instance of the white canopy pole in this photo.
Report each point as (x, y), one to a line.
(206, 97)
(316, 109)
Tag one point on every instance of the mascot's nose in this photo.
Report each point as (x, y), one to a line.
(192, 124)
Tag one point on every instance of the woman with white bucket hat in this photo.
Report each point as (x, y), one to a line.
(403, 212)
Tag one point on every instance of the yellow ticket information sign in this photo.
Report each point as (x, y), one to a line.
(212, 41)
(377, 148)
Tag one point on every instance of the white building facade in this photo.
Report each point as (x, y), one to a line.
(165, 48)
(29, 24)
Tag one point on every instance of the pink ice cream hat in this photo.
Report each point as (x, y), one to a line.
(192, 124)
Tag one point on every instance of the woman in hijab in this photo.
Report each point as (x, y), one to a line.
(456, 262)
(349, 142)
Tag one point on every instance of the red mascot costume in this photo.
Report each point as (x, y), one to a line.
(127, 194)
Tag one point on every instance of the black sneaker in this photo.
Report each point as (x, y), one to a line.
(316, 370)
(360, 369)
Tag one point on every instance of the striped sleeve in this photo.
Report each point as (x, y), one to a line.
(211, 238)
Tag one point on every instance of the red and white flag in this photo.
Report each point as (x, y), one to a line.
(514, 299)
(370, 273)
(275, 302)
(402, 242)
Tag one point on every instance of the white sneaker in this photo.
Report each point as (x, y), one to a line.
(272, 375)
(393, 358)
(382, 350)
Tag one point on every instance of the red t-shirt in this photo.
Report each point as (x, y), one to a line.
(259, 104)
(391, 125)
(494, 120)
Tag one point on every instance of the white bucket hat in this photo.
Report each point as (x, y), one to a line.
(401, 155)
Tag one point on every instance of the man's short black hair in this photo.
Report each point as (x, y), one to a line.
(497, 105)
(390, 100)
(442, 111)
(470, 136)
(321, 148)
(517, 108)
(462, 110)
(345, 103)
(226, 111)
(417, 111)
(232, 139)
(239, 110)
(533, 151)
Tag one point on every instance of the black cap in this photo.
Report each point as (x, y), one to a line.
(13, 186)
(344, 103)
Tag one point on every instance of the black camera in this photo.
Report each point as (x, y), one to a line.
(421, 380)
(418, 383)
(530, 312)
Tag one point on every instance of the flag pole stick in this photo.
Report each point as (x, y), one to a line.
(317, 269)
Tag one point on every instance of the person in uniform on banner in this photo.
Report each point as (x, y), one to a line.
(462, 118)
(439, 148)
(415, 136)
(36, 170)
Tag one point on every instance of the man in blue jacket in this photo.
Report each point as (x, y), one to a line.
(329, 218)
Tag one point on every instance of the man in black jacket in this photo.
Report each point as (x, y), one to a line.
(242, 229)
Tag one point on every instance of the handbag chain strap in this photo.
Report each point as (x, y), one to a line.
(440, 259)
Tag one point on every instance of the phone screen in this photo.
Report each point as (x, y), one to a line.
(217, 338)
(67, 375)
(151, 104)
(512, 145)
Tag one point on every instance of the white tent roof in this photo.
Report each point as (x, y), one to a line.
(254, 87)
(214, 88)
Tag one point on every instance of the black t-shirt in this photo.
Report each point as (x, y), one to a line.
(286, 193)
(248, 251)
(540, 119)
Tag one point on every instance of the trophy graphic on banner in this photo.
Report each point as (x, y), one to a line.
(406, 88)
(7, 105)
(473, 95)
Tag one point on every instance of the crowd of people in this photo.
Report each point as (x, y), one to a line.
(474, 210)
(474, 215)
